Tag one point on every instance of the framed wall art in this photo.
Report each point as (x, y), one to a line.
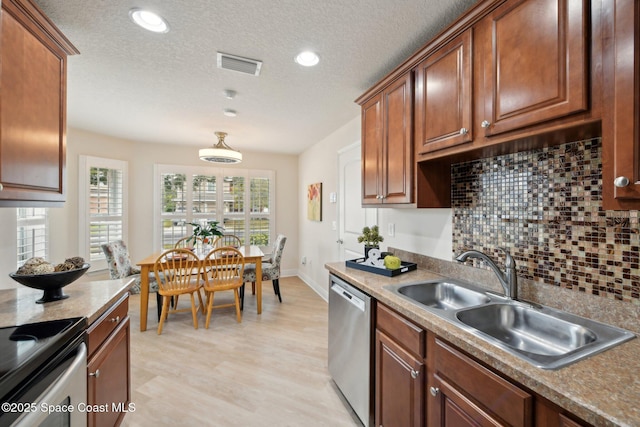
(314, 202)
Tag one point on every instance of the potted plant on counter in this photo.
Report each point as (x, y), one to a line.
(371, 238)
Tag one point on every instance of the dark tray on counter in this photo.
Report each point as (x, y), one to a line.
(404, 268)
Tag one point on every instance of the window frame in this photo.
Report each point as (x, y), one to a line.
(219, 173)
(30, 220)
(84, 200)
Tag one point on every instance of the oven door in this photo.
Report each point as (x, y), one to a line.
(61, 393)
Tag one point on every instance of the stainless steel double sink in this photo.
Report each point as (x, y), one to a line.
(545, 337)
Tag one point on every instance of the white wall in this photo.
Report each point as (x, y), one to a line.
(141, 157)
(424, 231)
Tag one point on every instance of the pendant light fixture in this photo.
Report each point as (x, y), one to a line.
(221, 152)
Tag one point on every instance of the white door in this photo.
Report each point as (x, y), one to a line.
(352, 216)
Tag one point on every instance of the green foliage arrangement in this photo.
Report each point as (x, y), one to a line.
(370, 236)
(206, 232)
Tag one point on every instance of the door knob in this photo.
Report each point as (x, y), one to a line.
(340, 241)
(621, 181)
(434, 391)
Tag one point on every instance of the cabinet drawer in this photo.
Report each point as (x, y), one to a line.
(107, 323)
(500, 397)
(403, 331)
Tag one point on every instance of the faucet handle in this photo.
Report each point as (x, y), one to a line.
(509, 262)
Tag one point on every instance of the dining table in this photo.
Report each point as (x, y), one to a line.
(252, 255)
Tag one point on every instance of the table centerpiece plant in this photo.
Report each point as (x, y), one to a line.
(204, 233)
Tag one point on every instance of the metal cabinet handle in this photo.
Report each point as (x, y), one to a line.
(95, 374)
(485, 124)
(115, 319)
(414, 374)
(464, 131)
(621, 181)
(434, 391)
(1, 187)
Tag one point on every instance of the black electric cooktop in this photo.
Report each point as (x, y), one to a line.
(23, 349)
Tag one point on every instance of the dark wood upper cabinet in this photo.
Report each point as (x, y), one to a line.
(387, 145)
(33, 54)
(621, 123)
(535, 63)
(443, 97)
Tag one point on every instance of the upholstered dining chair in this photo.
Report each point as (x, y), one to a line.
(270, 269)
(228, 240)
(120, 266)
(174, 274)
(226, 269)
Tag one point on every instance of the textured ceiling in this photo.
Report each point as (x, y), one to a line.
(165, 88)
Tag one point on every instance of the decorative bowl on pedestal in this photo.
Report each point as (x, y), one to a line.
(50, 283)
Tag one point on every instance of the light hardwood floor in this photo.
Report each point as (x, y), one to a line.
(269, 370)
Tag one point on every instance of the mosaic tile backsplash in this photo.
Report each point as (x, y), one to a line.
(544, 206)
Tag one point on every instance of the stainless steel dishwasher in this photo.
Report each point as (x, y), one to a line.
(350, 336)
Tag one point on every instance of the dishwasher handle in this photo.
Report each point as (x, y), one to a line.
(348, 296)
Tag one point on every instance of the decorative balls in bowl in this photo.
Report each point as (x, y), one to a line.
(37, 273)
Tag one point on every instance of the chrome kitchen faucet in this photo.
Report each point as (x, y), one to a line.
(508, 279)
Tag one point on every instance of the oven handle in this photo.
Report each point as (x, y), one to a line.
(79, 362)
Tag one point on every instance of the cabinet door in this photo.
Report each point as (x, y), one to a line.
(550, 415)
(453, 409)
(621, 127)
(535, 63)
(32, 106)
(109, 378)
(397, 165)
(443, 98)
(487, 395)
(399, 385)
(372, 150)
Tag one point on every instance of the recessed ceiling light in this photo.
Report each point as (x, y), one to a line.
(229, 113)
(149, 20)
(307, 58)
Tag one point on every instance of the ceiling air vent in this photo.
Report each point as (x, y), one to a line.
(239, 64)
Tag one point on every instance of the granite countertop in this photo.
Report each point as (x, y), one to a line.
(87, 298)
(603, 389)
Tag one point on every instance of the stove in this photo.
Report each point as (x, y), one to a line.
(31, 352)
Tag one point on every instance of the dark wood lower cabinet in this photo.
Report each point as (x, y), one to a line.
(422, 380)
(453, 409)
(108, 367)
(464, 393)
(400, 385)
(400, 373)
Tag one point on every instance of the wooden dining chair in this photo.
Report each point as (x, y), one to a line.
(185, 243)
(228, 240)
(174, 275)
(226, 269)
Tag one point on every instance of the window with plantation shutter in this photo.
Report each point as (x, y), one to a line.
(103, 190)
(243, 201)
(33, 234)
